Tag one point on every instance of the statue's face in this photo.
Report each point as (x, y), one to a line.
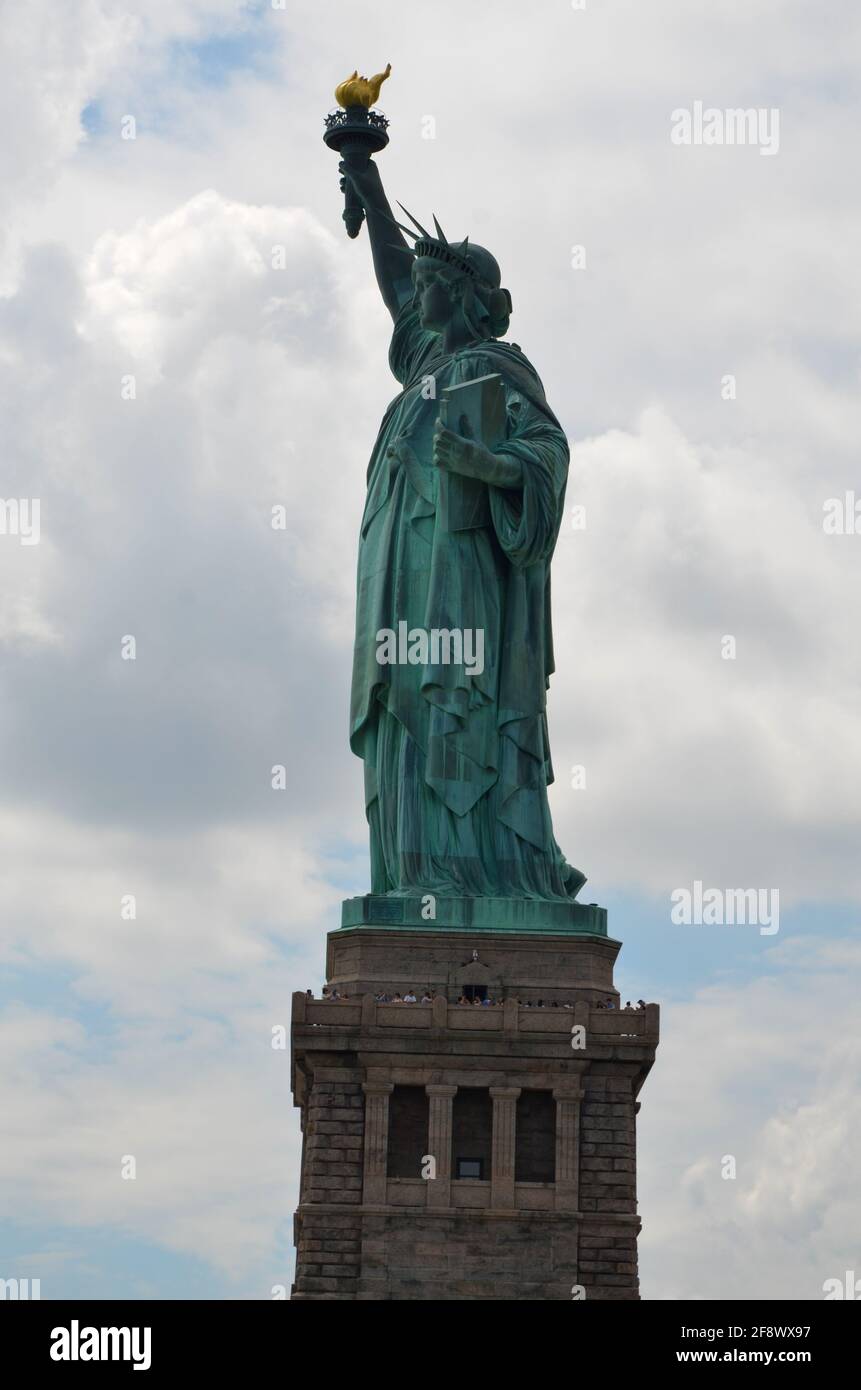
(434, 295)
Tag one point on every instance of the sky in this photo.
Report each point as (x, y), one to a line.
(188, 340)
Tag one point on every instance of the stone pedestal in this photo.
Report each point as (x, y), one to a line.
(456, 1151)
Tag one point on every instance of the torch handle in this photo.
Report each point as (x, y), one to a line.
(354, 212)
(355, 134)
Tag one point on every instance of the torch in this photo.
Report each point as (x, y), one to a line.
(357, 132)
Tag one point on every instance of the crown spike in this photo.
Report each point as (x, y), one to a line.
(415, 222)
(439, 231)
(400, 226)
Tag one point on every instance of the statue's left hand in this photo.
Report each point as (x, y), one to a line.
(461, 453)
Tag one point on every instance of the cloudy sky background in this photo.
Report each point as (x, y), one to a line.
(257, 387)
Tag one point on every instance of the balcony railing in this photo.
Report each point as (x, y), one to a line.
(494, 1018)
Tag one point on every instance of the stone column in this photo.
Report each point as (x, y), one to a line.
(567, 1148)
(439, 1143)
(502, 1149)
(376, 1140)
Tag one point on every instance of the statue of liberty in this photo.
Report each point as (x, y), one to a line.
(457, 759)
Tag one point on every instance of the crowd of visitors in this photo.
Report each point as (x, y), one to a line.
(411, 997)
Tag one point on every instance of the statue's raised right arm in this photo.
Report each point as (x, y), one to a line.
(391, 251)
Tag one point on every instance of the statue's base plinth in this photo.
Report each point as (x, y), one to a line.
(461, 1150)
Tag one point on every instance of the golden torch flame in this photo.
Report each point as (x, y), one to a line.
(361, 91)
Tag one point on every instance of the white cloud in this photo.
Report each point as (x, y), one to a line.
(764, 1070)
(739, 771)
(161, 1043)
(204, 1113)
(54, 59)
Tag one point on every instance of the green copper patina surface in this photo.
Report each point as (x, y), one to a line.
(457, 765)
(518, 916)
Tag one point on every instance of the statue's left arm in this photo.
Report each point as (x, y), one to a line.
(458, 453)
(526, 479)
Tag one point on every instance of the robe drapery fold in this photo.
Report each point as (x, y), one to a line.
(457, 765)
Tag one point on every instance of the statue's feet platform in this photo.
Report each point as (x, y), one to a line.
(431, 913)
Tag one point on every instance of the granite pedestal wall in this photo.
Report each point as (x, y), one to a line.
(481, 1152)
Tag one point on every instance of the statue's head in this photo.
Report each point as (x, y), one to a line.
(458, 278)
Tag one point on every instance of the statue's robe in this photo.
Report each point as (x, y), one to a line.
(457, 766)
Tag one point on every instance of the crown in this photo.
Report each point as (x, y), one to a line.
(438, 247)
